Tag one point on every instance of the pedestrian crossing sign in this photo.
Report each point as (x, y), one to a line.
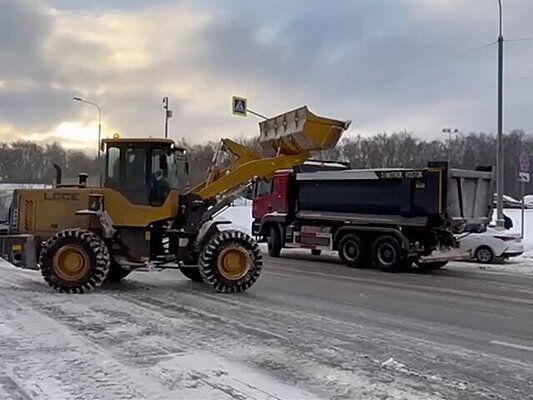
(239, 106)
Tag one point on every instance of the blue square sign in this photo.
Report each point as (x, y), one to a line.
(238, 106)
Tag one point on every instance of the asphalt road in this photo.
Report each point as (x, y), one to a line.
(461, 323)
(310, 328)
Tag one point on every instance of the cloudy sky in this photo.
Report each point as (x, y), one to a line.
(385, 64)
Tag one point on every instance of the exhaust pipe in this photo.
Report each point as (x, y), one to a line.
(82, 179)
(58, 174)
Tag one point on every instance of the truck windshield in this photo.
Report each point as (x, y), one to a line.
(263, 187)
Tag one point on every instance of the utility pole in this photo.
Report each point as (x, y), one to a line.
(449, 131)
(168, 114)
(499, 149)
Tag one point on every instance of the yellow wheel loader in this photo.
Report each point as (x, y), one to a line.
(145, 216)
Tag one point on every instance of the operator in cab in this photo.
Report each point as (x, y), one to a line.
(160, 188)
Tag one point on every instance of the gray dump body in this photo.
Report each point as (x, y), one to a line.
(433, 197)
(469, 200)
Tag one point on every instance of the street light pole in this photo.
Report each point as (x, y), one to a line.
(449, 131)
(79, 99)
(499, 148)
(168, 114)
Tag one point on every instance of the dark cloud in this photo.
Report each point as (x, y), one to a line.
(402, 64)
(21, 27)
(104, 5)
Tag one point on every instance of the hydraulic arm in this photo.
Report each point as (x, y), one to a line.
(285, 141)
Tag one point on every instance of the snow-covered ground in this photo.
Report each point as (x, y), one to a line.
(159, 336)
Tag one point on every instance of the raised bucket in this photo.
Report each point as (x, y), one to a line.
(299, 131)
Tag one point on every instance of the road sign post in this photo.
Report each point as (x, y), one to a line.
(523, 177)
(239, 106)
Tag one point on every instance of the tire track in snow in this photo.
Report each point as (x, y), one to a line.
(98, 363)
(461, 360)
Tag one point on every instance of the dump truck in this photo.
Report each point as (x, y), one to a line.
(144, 215)
(390, 218)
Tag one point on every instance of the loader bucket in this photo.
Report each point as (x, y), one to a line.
(298, 132)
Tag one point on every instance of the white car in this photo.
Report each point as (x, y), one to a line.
(492, 245)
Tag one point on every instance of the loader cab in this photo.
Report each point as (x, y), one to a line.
(145, 170)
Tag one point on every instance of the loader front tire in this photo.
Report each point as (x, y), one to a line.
(74, 261)
(231, 261)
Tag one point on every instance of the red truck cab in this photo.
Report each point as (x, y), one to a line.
(274, 198)
(271, 197)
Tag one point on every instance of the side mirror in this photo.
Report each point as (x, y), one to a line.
(250, 191)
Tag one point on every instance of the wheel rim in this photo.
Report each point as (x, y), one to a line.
(484, 255)
(234, 263)
(71, 263)
(386, 254)
(351, 250)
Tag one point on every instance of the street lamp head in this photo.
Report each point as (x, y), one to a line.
(77, 98)
(450, 130)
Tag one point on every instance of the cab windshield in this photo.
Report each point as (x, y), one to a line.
(146, 175)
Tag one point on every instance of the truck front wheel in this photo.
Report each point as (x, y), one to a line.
(231, 261)
(388, 255)
(351, 251)
(274, 242)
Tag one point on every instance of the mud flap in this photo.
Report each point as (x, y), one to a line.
(446, 254)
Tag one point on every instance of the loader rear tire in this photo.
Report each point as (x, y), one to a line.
(74, 261)
(192, 273)
(231, 261)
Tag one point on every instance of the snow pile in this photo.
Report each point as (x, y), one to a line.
(239, 215)
(391, 363)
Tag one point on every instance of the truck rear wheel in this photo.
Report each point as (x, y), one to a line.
(351, 251)
(274, 242)
(388, 255)
(193, 273)
(74, 261)
(231, 261)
